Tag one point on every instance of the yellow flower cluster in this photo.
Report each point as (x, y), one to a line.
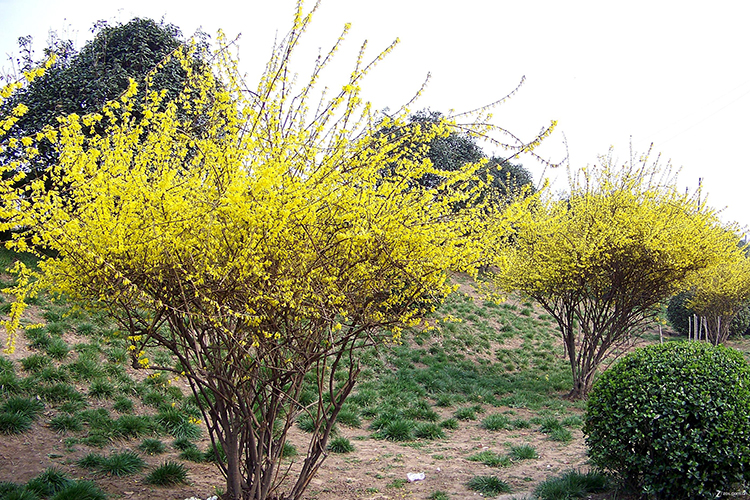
(220, 191)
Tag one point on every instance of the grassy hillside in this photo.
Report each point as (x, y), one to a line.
(475, 405)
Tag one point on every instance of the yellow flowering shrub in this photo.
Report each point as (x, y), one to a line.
(253, 235)
(602, 259)
(721, 292)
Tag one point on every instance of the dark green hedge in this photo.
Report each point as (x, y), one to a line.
(673, 420)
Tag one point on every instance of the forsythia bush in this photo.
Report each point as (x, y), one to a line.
(250, 233)
(602, 260)
(720, 294)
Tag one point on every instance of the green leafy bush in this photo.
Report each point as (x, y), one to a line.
(672, 420)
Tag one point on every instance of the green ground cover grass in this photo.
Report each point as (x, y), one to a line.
(492, 358)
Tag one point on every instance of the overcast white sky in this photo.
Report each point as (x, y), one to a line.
(675, 73)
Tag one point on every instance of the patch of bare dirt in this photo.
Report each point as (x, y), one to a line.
(378, 469)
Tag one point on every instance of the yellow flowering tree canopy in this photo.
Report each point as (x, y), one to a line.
(252, 234)
(720, 293)
(601, 259)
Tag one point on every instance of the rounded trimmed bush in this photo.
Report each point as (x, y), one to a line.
(672, 420)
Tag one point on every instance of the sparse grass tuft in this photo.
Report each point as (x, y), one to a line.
(29, 407)
(288, 450)
(549, 424)
(151, 446)
(438, 495)
(183, 444)
(306, 423)
(572, 421)
(9, 383)
(167, 474)
(488, 485)
(349, 418)
(520, 423)
(187, 430)
(496, 422)
(49, 482)
(65, 423)
(555, 431)
(58, 349)
(14, 423)
(523, 452)
(210, 455)
(491, 459)
(562, 435)
(35, 362)
(59, 393)
(340, 445)
(572, 485)
(133, 426)
(7, 488)
(85, 369)
(53, 374)
(396, 483)
(101, 389)
(122, 464)
(426, 430)
(118, 464)
(444, 401)
(96, 439)
(450, 424)
(123, 404)
(192, 454)
(466, 413)
(396, 430)
(91, 461)
(80, 490)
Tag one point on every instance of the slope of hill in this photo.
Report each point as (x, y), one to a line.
(482, 396)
